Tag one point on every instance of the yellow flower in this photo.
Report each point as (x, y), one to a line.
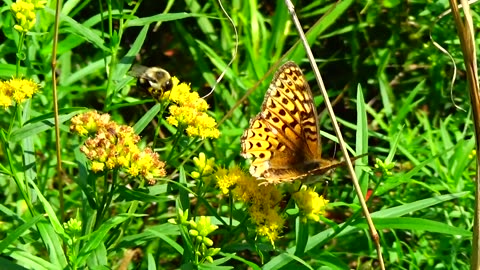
(73, 226)
(203, 227)
(181, 115)
(5, 101)
(311, 205)
(114, 146)
(189, 111)
(262, 200)
(24, 13)
(90, 122)
(204, 165)
(203, 126)
(271, 226)
(98, 166)
(199, 229)
(17, 90)
(204, 168)
(225, 179)
(148, 164)
(5, 95)
(384, 167)
(249, 189)
(472, 154)
(178, 93)
(133, 170)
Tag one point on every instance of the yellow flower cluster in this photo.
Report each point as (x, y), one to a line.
(189, 111)
(205, 168)
(472, 154)
(24, 12)
(17, 90)
(384, 167)
(113, 146)
(199, 228)
(311, 205)
(262, 200)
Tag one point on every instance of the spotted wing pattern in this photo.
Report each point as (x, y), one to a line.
(283, 139)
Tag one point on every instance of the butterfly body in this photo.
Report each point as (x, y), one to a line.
(284, 137)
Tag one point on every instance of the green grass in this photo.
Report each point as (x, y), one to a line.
(396, 105)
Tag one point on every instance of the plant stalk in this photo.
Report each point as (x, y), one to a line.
(467, 41)
(373, 231)
(58, 146)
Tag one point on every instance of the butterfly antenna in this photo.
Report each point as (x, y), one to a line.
(234, 51)
(373, 230)
(334, 150)
(325, 189)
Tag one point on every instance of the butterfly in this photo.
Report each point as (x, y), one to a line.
(284, 137)
(153, 80)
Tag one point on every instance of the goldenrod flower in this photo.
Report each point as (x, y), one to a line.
(227, 179)
(204, 168)
(182, 218)
(180, 92)
(384, 167)
(311, 205)
(24, 13)
(181, 115)
(262, 200)
(472, 154)
(148, 165)
(203, 126)
(189, 111)
(17, 90)
(114, 146)
(270, 224)
(202, 228)
(98, 166)
(90, 122)
(73, 230)
(5, 95)
(199, 229)
(73, 227)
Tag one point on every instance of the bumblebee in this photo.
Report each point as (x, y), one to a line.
(153, 80)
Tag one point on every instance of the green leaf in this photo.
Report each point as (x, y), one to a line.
(17, 233)
(41, 124)
(94, 240)
(318, 239)
(161, 18)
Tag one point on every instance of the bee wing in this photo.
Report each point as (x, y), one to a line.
(137, 71)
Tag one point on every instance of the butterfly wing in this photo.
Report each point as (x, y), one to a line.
(283, 138)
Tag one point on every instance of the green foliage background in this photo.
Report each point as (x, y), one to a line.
(375, 56)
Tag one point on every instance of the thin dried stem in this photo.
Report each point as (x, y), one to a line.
(373, 231)
(55, 111)
(467, 42)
